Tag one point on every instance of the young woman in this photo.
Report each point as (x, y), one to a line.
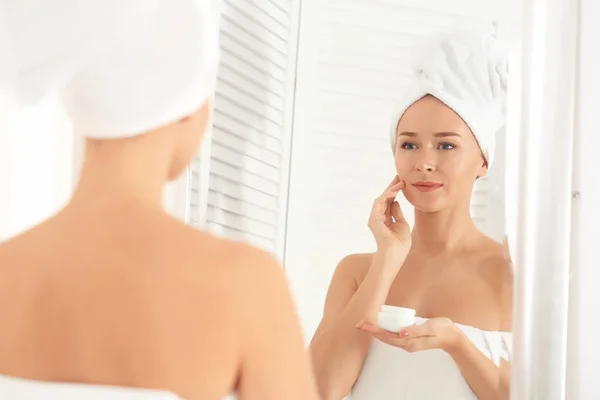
(113, 298)
(455, 277)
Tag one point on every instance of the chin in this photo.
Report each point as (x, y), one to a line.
(428, 208)
(421, 202)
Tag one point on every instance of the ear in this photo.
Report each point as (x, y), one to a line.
(483, 170)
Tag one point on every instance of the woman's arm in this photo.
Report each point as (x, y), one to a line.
(338, 349)
(273, 360)
(487, 380)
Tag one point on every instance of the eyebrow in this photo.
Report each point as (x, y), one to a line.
(437, 134)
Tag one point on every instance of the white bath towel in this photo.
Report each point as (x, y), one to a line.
(466, 70)
(122, 67)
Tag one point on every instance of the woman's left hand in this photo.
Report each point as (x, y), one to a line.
(435, 333)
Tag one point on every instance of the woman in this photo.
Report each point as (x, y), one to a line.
(456, 278)
(113, 298)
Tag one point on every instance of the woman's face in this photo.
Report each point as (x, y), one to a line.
(437, 156)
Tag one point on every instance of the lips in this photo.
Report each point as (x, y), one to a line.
(427, 186)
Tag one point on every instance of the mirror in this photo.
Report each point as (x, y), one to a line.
(300, 148)
(353, 68)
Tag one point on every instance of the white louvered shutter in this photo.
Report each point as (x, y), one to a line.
(352, 66)
(238, 183)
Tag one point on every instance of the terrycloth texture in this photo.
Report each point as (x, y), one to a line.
(468, 72)
(390, 373)
(123, 67)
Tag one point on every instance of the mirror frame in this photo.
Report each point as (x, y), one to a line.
(543, 226)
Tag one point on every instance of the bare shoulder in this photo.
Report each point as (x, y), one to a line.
(242, 274)
(347, 277)
(272, 361)
(497, 268)
(244, 293)
(354, 267)
(229, 258)
(357, 261)
(495, 261)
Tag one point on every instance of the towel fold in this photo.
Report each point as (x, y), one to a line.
(467, 71)
(122, 67)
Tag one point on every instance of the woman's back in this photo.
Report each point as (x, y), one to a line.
(132, 297)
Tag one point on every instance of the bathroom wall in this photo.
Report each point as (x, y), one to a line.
(36, 156)
(6, 138)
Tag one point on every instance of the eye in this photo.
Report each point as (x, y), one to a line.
(446, 146)
(408, 146)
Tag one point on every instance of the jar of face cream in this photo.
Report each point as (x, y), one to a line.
(393, 319)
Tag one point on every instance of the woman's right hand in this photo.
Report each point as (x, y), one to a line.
(387, 223)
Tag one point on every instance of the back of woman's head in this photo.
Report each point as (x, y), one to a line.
(122, 67)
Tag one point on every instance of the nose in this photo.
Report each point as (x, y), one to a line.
(426, 161)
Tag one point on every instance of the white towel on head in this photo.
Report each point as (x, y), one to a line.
(467, 71)
(123, 67)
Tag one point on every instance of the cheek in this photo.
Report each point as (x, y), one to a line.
(460, 162)
(403, 165)
(460, 173)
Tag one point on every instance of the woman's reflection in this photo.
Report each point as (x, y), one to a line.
(452, 274)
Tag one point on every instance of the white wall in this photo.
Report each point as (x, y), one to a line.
(583, 353)
(37, 160)
(6, 139)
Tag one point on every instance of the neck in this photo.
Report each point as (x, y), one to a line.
(444, 230)
(121, 173)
